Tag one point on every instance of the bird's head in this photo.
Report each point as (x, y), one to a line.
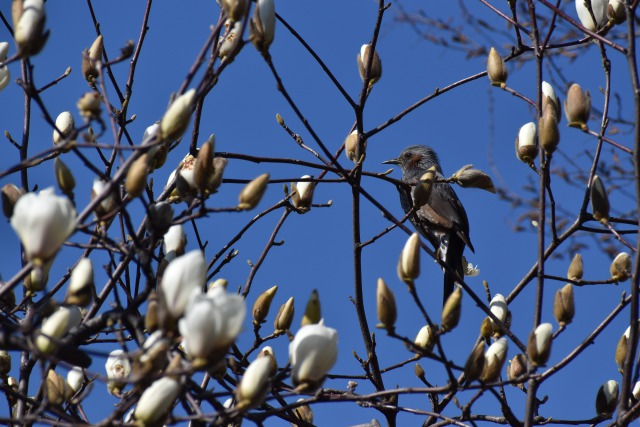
(415, 160)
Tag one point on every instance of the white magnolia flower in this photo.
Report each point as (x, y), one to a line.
(156, 401)
(43, 222)
(254, 383)
(175, 240)
(212, 321)
(56, 326)
(117, 365)
(181, 277)
(312, 353)
(599, 8)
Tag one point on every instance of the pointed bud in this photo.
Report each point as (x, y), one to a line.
(29, 20)
(92, 59)
(486, 328)
(475, 363)
(75, 380)
(386, 303)
(160, 218)
(409, 262)
(176, 120)
(228, 43)
(108, 203)
(548, 130)
(204, 169)
(599, 200)
(451, 310)
(527, 143)
(156, 401)
(234, 8)
(422, 190)
(303, 413)
(137, 176)
(90, 105)
(621, 267)
(219, 163)
(517, 367)
(312, 313)
(64, 177)
(57, 390)
(563, 305)
(467, 176)
(10, 195)
(151, 318)
(262, 26)
(252, 193)
(607, 398)
(616, 12)
(425, 339)
(498, 308)
(576, 269)
(66, 125)
(539, 345)
(37, 279)
(175, 240)
(352, 148)
(494, 359)
(56, 326)
(302, 194)
(549, 98)
(496, 69)
(577, 106)
(312, 353)
(262, 304)
(254, 384)
(81, 288)
(284, 317)
(375, 72)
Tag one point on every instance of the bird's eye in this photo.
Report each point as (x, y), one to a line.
(407, 156)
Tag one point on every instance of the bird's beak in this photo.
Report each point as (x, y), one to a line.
(391, 162)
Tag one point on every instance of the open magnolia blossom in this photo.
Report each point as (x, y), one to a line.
(43, 222)
(118, 368)
(56, 326)
(211, 323)
(156, 401)
(312, 353)
(181, 277)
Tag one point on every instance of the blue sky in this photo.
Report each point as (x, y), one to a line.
(475, 123)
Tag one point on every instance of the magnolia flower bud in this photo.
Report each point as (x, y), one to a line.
(64, 177)
(312, 313)
(182, 276)
(409, 262)
(494, 359)
(425, 339)
(563, 306)
(616, 12)
(451, 310)
(10, 195)
(81, 289)
(539, 345)
(5, 74)
(160, 218)
(496, 69)
(267, 352)
(38, 277)
(599, 8)
(228, 43)
(91, 60)
(175, 240)
(252, 193)
(498, 307)
(176, 119)
(576, 270)
(548, 130)
(234, 8)
(486, 328)
(75, 379)
(527, 143)
(599, 200)
(203, 169)
(5, 364)
(621, 348)
(262, 26)
(29, 19)
(218, 283)
(422, 190)
(386, 303)
(90, 105)
(43, 222)
(621, 267)
(418, 370)
(577, 106)
(312, 353)
(156, 401)
(517, 367)
(109, 203)
(467, 176)
(118, 369)
(475, 363)
(56, 388)
(65, 124)
(352, 148)
(262, 305)
(375, 72)
(137, 176)
(254, 384)
(304, 413)
(151, 317)
(284, 317)
(302, 194)
(549, 98)
(56, 326)
(636, 390)
(607, 398)
(219, 163)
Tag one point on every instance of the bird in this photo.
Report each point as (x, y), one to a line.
(442, 220)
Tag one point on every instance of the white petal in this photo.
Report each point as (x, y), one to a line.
(313, 352)
(181, 277)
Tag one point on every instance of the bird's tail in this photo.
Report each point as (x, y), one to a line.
(452, 258)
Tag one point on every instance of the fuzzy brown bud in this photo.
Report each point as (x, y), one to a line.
(563, 305)
(151, 318)
(375, 72)
(57, 390)
(548, 129)
(90, 105)
(539, 344)
(386, 303)
(418, 370)
(204, 169)
(475, 363)
(577, 106)
(576, 269)
(467, 176)
(422, 190)
(312, 313)
(496, 69)
(409, 261)
(452, 310)
(91, 60)
(10, 195)
(262, 304)
(252, 193)
(486, 328)
(527, 143)
(607, 398)
(352, 148)
(64, 177)
(599, 200)
(137, 176)
(5, 364)
(517, 367)
(620, 268)
(284, 317)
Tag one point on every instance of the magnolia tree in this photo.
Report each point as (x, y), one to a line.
(124, 300)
